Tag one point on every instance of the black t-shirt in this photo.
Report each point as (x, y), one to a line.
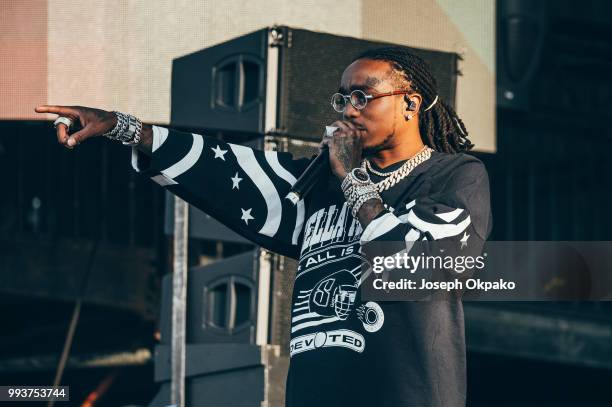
(344, 350)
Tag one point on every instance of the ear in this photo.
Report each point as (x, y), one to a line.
(412, 102)
(412, 105)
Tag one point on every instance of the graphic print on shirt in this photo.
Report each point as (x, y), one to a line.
(326, 302)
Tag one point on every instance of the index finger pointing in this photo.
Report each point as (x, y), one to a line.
(62, 110)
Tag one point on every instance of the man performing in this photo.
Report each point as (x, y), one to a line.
(399, 175)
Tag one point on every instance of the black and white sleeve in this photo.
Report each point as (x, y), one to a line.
(241, 187)
(457, 215)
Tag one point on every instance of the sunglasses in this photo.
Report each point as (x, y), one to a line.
(359, 99)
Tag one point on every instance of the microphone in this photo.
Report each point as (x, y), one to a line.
(309, 177)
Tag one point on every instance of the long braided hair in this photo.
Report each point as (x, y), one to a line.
(440, 127)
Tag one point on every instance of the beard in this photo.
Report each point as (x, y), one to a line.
(375, 149)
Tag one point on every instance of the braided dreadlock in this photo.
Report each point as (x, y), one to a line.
(440, 127)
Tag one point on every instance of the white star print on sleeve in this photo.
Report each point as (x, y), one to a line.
(219, 153)
(464, 240)
(235, 181)
(246, 215)
(198, 168)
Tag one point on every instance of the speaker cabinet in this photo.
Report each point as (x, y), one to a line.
(521, 28)
(277, 80)
(231, 375)
(239, 299)
(238, 323)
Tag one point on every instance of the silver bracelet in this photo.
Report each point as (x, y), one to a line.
(363, 199)
(355, 191)
(357, 195)
(127, 130)
(358, 188)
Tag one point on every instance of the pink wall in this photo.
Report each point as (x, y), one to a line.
(23, 58)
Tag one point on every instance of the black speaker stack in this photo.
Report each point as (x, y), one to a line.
(277, 80)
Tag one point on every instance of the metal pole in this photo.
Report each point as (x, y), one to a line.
(179, 297)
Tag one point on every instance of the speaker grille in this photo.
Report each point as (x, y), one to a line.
(312, 64)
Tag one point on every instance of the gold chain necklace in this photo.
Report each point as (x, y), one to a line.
(392, 178)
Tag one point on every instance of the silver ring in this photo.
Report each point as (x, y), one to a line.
(64, 120)
(330, 130)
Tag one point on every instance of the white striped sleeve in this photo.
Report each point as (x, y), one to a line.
(379, 227)
(241, 187)
(457, 215)
(415, 225)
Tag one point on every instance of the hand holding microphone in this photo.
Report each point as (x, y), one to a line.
(310, 175)
(341, 151)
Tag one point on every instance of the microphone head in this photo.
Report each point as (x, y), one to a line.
(329, 130)
(294, 197)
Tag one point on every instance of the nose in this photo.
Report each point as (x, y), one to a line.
(350, 111)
